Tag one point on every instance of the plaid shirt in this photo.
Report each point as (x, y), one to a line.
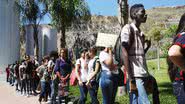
(180, 41)
(136, 55)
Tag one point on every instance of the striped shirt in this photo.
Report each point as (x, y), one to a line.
(136, 55)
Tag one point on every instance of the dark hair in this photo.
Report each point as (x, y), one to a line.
(172, 68)
(134, 9)
(93, 49)
(83, 50)
(181, 27)
(53, 54)
(65, 51)
(45, 58)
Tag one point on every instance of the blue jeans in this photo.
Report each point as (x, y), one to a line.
(139, 97)
(109, 85)
(54, 90)
(45, 89)
(179, 91)
(92, 91)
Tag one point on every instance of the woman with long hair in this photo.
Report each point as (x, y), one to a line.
(176, 62)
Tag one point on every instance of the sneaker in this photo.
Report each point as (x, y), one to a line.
(22, 94)
(27, 95)
(48, 102)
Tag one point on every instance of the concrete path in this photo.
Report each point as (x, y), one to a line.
(8, 95)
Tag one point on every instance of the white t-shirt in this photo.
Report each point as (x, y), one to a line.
(83, 70)
(91, 65)
(50, 64)
(104, 56)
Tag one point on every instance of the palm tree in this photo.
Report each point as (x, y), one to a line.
(64, 13)
(31, 13)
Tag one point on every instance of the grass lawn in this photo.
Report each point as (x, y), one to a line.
(164, 84)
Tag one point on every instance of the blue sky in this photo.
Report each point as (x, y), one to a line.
(109, 7)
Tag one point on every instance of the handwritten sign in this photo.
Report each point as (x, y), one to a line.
(106, 40)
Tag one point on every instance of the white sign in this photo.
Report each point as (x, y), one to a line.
(106, 40)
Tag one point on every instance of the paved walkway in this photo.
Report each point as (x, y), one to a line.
(8, 95)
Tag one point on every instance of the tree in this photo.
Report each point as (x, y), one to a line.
(64, 13)
(171, 31)
(31, 13)
(156, 35)
(123, 12)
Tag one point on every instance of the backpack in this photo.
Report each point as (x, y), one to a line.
(118, 47)
(97, 77)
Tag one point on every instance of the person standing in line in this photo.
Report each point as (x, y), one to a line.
(134, 49)
(93, 75)
(16, 69)
(109, 75)
(8, 73)
(43, 73)
(63, 70)
(176, 62)
(22, 76)
(81, 70)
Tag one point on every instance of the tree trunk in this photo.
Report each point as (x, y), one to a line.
(63, 38)
(59, 33)
(123, 12)
(36, 43)
(158, 56)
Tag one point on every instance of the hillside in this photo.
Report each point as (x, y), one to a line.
(109, 24)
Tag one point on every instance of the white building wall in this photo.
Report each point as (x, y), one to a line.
(50, 39)
(9, 32)
(46, 37)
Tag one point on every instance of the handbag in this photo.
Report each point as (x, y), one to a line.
(73, 78)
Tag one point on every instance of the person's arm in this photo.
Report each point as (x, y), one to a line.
(176, 56)
(109, 61)
(77, 68)
(58, 75)
(97, 69)
(20, 74)
(125, 39)
(148, 44)
(49, 66)
(126, 63)
(57, 69)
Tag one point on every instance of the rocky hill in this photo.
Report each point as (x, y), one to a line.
(109, 24)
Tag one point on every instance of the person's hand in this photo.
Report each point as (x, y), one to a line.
(110, 50)
(62, 79)
(133, 85)
(80, 83)
(88, 84)
(148, 43)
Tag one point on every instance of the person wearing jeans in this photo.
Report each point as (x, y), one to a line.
(81, 70)
(93, 75)
(22, 76)
(109, 76)
(43, 73)
(176, 62)
(134, 48)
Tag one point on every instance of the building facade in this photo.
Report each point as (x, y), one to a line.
(47, 38)
(9, 32)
